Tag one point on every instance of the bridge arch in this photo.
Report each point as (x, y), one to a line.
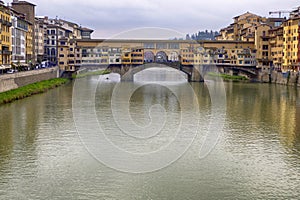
(149, 57)
(161, 57)
(129, 75)
(161, 74)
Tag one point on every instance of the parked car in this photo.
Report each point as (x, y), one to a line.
(11, 71)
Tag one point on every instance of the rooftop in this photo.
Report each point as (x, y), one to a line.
(86, 29)
(22, 2)
(247, 13)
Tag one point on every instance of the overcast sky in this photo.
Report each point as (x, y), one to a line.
(110, 17)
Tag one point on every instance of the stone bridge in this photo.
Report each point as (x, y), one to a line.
(194, 73)
(250, 72)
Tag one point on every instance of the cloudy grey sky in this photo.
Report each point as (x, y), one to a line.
(110, 17)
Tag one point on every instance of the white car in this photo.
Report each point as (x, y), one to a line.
(11, 71)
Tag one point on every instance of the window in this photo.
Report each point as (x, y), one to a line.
(149, 45)
(173, 46)
(265, 47)
(161, 45)
(53, 52)
(277, 24)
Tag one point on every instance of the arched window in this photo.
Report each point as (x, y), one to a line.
(53, 52)
(161, 57)
(148, 57)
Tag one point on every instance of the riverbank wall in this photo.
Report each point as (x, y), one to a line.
(276, 77)
(16, 80)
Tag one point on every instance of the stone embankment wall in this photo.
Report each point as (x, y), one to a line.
(16, 80)
(289, 78)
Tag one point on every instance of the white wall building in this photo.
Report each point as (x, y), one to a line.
(19, 29)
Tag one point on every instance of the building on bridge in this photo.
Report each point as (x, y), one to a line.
(104, 53)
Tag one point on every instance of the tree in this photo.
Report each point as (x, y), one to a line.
(188, 37)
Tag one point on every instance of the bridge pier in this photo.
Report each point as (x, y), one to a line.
(126, 74)
(197, 75)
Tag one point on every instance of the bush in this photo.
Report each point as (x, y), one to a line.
(229, 77)
(29, 90)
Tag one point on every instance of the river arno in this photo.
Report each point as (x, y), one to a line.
(257, 156)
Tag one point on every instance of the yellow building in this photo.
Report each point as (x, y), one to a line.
(226, 33)
(276, 43)
(5, 39)
(126, 56)
(63, 54)
(291, 40)
(29, 44)
(243, 28)
(187, 55)
(137, 56)
(67, 55)
(263, 54)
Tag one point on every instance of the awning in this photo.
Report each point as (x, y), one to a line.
(5, 66)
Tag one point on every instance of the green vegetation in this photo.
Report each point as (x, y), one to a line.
(29, 90)
(229, 77)
(91, 73)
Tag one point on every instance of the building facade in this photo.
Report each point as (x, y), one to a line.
(101, 53)
(276, 44)
(28, 10)
(263, 53)
(40, 31)
(19, 33)
(58, 48)
(291, 38)
(5, 39)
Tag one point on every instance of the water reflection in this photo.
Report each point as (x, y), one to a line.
(258, 157)
(20, 128)
(267, 107)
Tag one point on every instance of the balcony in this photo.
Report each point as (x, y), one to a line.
(6, 52)
(272, 41)
(6, 23)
